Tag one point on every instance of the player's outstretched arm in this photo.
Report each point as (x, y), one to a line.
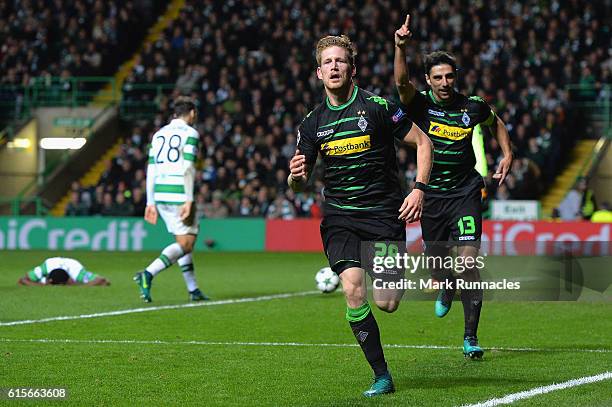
(298, 172)
(405, 88)
(99, 281)
(503, 138)
(27, 281)
(412, 207)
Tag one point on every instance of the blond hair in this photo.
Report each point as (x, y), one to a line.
(341, 41)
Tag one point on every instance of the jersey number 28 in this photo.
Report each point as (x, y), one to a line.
(172, 152)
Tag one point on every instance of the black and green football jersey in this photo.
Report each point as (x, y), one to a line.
(450, 127)
(357, 145)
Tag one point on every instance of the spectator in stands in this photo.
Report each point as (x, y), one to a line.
(139, 179)
(571, 208)
(75, 207)
(121, 206)
(603, 215)
(535, 154)
(109, 174)
(138, 202)
(281, 208)
(245, 208)
(97, 200)
(107, 204)
(200, 206)
(262, 202)
(588, 204)
(216, 209)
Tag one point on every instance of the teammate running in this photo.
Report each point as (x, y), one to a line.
(452, 210)
(170, 180)
(61, 271)
(355, 131)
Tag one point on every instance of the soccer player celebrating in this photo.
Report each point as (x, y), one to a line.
(355, 130)
(170, 180)
(452, 210)
(61, 271)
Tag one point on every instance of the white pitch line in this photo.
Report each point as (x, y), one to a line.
(288, 344)
(163, 307)
(511, 398)
(510, 349)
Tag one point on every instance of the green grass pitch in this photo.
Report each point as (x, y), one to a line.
(238, 353)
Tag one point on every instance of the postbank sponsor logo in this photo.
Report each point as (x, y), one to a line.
(449, 132)
(347, 146)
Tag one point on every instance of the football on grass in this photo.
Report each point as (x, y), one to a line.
(327, 280)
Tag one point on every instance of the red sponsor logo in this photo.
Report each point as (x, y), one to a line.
(508, 238)
(512, 238)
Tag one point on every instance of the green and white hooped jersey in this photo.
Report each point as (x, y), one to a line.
(173, 149)
(75, 270)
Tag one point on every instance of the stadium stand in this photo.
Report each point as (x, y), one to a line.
(251, 67)
(52, 41)
(80, 38)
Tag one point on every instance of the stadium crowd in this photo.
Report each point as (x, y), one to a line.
(251, 67)
(60, 39)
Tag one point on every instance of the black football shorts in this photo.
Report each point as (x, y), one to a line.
(342, 236)
(457, 220)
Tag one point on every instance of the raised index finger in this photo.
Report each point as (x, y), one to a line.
(407, 22)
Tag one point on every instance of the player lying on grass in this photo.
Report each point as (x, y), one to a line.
(452, 211)
(355, 133)
(61, 271)
(170, 181)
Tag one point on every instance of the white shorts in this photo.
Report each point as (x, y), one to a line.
(170, 215)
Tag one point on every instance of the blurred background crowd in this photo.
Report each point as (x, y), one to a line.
(69, 38)
(251, 67)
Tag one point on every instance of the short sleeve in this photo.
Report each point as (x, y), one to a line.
(150, 153)
(486, 116)
(86, 276)
(35, 275)
(190, 150)
(397, 119)
(306, 142)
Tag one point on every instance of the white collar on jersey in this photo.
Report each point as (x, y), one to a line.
(179, 120)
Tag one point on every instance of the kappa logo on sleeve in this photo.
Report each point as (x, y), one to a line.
(380, 101)
(325, 133)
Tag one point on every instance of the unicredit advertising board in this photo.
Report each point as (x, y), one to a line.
(123, 234)
(301, 235)
(509, 238)
(512, 238)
